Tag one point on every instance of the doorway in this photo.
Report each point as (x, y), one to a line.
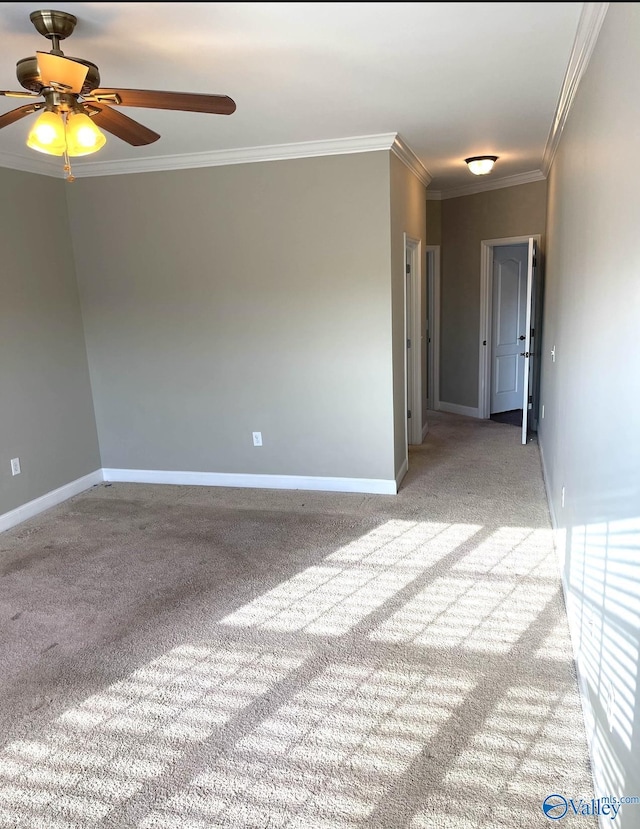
(508, 336)
(432, 354)
(413, 339)
(508, 321)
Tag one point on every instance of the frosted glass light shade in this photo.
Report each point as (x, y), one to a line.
(47, 134)
(83, 137)
(480, 165)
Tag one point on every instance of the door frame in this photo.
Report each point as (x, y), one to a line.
(413, 329)
(486, 315)
(433, 326)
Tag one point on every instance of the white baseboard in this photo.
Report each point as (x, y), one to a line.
(559, 539)
(403, 471)
(547, 485)
(50, 499)
(374, 486)
(425, 430)
(454, 408)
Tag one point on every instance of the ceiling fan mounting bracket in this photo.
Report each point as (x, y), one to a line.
(54, 25)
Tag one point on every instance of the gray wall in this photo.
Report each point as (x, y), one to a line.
(434, 222)
(466, 222)
(227, 300)
(46, 411)
(408, 215)
(591, 393)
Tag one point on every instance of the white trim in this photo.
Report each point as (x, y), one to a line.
(50, 499)
(559, 538)
(39, 164)
(376, 486)
(589, 25)
(413, 329)
(433, 368)
(403, 151)
(217, 158)
(434, 195)
(486, 301)
(403, 471)
(425, 431)
(491, 184)
(547, 484)
(454, 408)
(588, 714)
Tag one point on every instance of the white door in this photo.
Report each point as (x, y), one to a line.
(527, 355)
(509, 319)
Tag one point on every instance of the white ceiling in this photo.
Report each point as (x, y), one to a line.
(452, 79)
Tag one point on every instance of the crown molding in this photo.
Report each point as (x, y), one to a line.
(589, 26)
(38, 163)
(242, 155)
(483, 186)
(403, 151)
(218, 158)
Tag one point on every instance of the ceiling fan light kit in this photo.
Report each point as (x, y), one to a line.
(74, 104)
(480, 165)
(72, 132)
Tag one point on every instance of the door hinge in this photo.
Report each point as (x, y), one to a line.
(408, 268)
(408, 343)
(408, 413)
(530, 399)
(533, 332)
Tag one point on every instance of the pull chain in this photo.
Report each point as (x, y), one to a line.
(67, 161)
(67, 167)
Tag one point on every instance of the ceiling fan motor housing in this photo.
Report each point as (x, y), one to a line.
(29, 76)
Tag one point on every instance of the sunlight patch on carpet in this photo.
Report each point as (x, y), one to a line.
(331, 598)
(103, 751)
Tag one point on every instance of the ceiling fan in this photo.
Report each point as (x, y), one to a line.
(75, 105)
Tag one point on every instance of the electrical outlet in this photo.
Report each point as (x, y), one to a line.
(553, 354)
(15, 466)
(257, 438)
(542, 417)
(589, 621)
(563, 497)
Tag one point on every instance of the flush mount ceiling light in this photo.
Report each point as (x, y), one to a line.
(480, 165)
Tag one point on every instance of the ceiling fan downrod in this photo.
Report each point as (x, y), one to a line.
(54, 25)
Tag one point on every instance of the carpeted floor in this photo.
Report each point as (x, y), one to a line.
(208, 658)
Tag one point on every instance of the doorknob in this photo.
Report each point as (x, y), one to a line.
(524, 354)
(522, 337)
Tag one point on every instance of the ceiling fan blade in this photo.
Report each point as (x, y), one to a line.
(60, 72)
(121, 125)
(9, 94)
(16, 114)
(183, 101)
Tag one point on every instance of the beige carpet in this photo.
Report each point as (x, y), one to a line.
(191, 657)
